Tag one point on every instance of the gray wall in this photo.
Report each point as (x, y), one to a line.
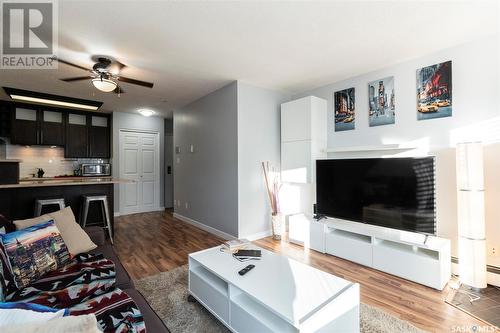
(123, 120)
(207, 179)
(258, 140)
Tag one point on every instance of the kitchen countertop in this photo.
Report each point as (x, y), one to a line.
(65, 181)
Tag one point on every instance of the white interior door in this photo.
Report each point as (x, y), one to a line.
(139, 162)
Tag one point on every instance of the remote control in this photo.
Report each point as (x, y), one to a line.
(246, 269)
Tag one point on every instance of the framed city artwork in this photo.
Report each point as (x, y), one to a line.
(434, 91)
(381, 102)
(344, 102)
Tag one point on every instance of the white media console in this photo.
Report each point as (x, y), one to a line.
(413, 256)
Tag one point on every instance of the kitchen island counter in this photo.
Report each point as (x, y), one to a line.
(17, 201)
(64, 181)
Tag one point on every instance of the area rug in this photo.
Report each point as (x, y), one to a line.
(167, 294)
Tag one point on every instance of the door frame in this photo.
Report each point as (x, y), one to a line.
(157, 166)
(165, 166)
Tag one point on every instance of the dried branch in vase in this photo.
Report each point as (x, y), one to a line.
(273, 185)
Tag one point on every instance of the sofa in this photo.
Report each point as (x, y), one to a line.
(122, 280)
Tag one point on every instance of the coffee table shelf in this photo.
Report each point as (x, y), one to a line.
(278, 295)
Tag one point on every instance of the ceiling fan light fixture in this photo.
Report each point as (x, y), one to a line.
(103, 84)
(146, 112)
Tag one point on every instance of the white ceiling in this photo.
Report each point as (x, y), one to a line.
(189, 49)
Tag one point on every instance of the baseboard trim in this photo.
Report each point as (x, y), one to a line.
(116, 214)
(202, 226)
(258, 235)
(492, 272)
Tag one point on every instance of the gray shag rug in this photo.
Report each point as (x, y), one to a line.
(167, 294)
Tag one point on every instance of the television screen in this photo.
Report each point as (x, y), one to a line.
(390, 192)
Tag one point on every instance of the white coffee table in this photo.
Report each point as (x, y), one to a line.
(278, 295)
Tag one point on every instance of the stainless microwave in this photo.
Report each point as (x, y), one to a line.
(101, 169)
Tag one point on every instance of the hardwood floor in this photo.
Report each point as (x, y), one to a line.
(150, 243)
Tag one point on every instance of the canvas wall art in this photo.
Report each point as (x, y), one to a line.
(381, 102)
(345, 109)
(434, 93)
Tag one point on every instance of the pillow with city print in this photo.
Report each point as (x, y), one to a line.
(33, 252)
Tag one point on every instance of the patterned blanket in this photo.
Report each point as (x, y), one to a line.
(85, 286)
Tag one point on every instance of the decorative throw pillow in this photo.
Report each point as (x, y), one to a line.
(34, 251)
(7, 283)
(74, 236)
(17, 313)
(75, 324)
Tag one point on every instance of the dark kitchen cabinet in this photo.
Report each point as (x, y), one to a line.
(99, 137)
(51, 128)
(82, 134)
(5, 119)
(76, 136)
(37, 127)
(24, 126)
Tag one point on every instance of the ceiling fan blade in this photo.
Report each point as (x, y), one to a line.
(134, 81)
(119, 90)
(72, 64)
(78, 78)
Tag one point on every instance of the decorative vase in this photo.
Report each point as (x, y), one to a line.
(277, 225)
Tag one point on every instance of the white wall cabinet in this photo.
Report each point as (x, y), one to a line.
(303, 138)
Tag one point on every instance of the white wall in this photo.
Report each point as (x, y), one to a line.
(258, 141)
(476, 116)
(207, 179)
(130, 121)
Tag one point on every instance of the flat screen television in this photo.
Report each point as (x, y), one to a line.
(390, 192)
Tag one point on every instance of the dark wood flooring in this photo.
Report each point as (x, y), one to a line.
(150, 243)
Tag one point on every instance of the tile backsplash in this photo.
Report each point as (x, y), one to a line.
(50, 159)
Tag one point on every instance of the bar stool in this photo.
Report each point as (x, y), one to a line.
(40, 203)
(102, 200)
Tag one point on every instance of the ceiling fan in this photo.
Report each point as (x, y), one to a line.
(104, 74)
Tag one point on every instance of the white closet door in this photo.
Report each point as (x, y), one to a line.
(139, 159)
(149, 154)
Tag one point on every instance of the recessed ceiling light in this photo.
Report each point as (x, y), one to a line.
(146, 112)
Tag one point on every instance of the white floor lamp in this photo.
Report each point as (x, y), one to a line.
(471, 220)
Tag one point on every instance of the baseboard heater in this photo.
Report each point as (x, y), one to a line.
(489, 268)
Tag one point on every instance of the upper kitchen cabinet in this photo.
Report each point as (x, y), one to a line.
(31, 126)
(88, 136)
(25, 127)
(99, 137)
(51, 128)
(5, 119)
(76, 136)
